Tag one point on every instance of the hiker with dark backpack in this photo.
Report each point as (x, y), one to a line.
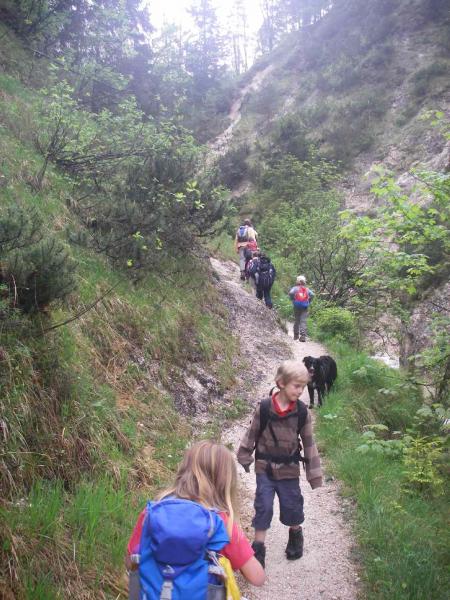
(244, 235)
(280, 429)
(301, 297)
(264, 274)
(183, 542)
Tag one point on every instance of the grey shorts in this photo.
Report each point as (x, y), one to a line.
(289, 496)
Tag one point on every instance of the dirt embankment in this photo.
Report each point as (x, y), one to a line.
(326, 571)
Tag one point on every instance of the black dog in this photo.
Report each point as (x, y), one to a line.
(323, 373)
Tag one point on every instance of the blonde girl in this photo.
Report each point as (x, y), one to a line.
(207, 475)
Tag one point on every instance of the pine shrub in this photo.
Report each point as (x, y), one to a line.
(39, 275)
(35, 269)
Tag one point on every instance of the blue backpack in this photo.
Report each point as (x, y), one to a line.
(177, 551)
(242, 233)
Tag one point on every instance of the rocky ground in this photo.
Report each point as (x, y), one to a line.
(326, 571)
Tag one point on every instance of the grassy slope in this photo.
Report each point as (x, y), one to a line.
(88, 410)
(402, 531)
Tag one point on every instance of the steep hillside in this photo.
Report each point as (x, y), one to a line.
(354, 95)
(361, 82)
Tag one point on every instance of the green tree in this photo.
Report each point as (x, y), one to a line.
(407, 245)
(408, 241)
(205, 52)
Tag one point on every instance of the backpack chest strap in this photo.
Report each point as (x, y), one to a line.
(284, 459)
(166, 590)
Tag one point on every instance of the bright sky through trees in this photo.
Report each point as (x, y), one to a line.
(174, 11)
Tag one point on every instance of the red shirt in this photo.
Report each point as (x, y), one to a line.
(280, 411)
(238, 551)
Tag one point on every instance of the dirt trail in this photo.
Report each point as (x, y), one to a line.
(325, 572)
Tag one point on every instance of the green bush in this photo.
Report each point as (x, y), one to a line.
(233, 166)
(336, 321)
(421, 460)
(422, 79)
(289, 137)
(36, 269)
(39, 275)
(266, 102)
(317, 114)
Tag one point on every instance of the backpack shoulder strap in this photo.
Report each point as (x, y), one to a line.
(302, 415)
(264, 411)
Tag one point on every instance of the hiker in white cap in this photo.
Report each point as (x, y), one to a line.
(301, 297)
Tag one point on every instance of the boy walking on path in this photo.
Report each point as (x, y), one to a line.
(244, 235)
(273, 435)
(301, 297)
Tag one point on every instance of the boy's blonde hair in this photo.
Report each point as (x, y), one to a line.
(207, 475)
(290, 370)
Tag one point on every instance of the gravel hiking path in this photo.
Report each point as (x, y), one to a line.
(326, 571)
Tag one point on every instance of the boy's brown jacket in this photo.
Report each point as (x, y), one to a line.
(285, 430)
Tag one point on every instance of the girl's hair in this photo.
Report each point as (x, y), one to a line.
(248, 222)
(290, 370)
(207, 475)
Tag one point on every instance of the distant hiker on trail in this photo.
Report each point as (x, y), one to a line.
(244, 235)
(281, 424)
(301, 297)
(263, 272)
(172, 551)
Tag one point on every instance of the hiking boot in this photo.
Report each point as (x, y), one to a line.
(294, 549)
(303, 338)
(260, 552)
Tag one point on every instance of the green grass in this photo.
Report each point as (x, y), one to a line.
(222, 246)
(100, 514)
(38, 514)
(402, 535)
(41, 588)
(89, 527)
(236, 409)
(12, 86)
